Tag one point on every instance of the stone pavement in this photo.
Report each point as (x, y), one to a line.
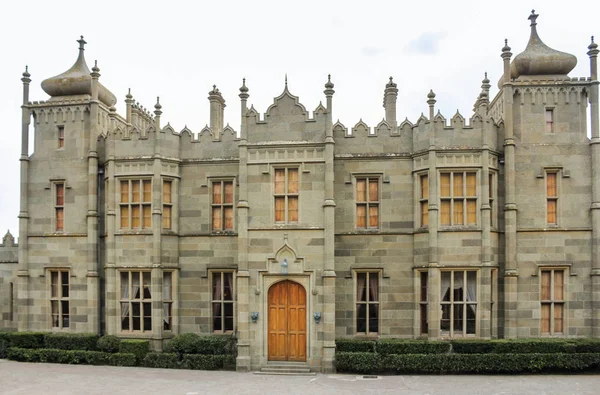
(31, 379)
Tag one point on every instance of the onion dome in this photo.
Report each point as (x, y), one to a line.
(329, 84)
(539, 59)
(77, 81)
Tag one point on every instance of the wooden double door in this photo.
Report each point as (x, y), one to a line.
(287, 322)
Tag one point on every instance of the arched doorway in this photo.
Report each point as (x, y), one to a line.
(287, 322)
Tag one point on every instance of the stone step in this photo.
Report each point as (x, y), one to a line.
(286, 371)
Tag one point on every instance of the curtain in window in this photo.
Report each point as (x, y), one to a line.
(228, 283)
(217, 297)
(360, 282)
(167, 295)
(446, 286)
(373, 288)
(472, 289)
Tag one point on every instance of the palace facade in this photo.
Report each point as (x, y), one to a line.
(295, 230)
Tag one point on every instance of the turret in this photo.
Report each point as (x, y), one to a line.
(217, 108)
(390, 96)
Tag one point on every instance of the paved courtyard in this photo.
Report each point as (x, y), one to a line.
(28, 378)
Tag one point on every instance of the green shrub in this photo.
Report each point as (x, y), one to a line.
(122, 359)
(361, 362)
(27, 339)
(139, 348)
(71, 341)
(587, 346)
(203, 362)
(396, 346)
(53, 355)
(353, 345)
(109, 343)
(161, 360)
(4, 343)
(519, 346)
(491, 363)
(192, 343)
(22, 354)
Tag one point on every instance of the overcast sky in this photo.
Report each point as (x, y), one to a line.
(178, 49)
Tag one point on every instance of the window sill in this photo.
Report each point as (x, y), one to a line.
(126, 232)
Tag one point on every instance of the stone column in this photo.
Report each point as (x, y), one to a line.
(156, 257)
(434, 311)
(595, 208)
(23, 265)
(485, 301)
(327, 325)
(510, 206)
(217, 106)
(93, 278)
(112, 308)
(243, 361)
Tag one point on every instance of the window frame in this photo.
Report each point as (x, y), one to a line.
(367, 302)
(552, 302)
(464, 199)
(552, 198)
(167, 204)
(222, 301)
(169, 302)
(493, 196)
(60, 134)
(142, 301)
(423, 302)
(423, 199)
(130, 204)
(59, 298)
(452, 332)
(223, 205)
(367, 203)
(286, 195)
(59, 205)
(549, 124)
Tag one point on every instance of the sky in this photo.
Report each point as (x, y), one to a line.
(178, 49)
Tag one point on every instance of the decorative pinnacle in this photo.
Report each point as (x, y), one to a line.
(533, 17)
(243, 88)
(593, 46)
(506, 48)
(26, 73)
(286, 80)
(95, 69)
(129, 96)
(486, 81)
(82, 43)
(431, 95)
(329, 84)
(157, 106)
(391, 84)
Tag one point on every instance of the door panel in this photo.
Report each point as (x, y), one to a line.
(287, 322)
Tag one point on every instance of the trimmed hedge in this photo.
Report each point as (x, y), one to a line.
(492, 363)
(396, 346)
(139, 348)
(359, 362)
(109, 343)
(26, 339)
(192, 343)
(526, 346)
(204, 362)
(71, 341)
(4, 343)
(122, 359)
(79, 357)
(351, 345)
(161, 360)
